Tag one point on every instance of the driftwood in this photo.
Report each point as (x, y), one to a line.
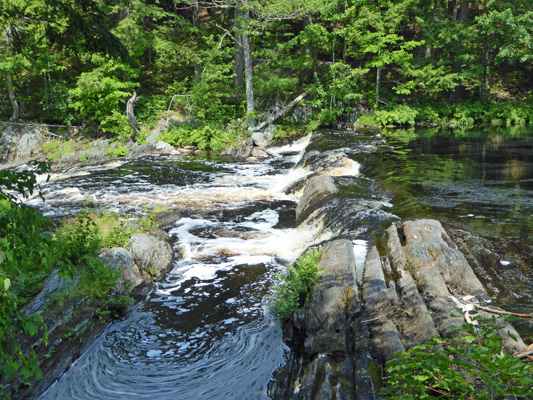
(499, 311)
(129, 113)
(278, 113)
(525, 353)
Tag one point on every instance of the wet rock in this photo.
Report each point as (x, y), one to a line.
(259, 152)
(316, 189)
(151, 255)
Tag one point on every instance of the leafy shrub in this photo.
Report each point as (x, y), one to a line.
(292, 292)
(472, 365)
(26, 255)
(119, 151)
(398, 115)
(206, 136)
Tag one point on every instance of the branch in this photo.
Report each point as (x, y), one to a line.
(279, 113)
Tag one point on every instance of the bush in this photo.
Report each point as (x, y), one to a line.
(472, 365)
(292, 292)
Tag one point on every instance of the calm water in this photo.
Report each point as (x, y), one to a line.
(206, 331)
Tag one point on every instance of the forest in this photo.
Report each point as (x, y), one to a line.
(218, 62)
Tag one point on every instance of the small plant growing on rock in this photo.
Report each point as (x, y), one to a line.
(292, 292)
(472, 365)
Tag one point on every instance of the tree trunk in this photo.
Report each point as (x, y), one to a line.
(129, 113)
(10, 86)
(196, 23)
(457, 65)
(248, 71)
(238, 81)
(14, 102)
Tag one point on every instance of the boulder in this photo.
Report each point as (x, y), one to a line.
(241, 152)
(151, 255)
(167, 218)
(20, 142)
(121, 259)
(164, 148)
(264, 138)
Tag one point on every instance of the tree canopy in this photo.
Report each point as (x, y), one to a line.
(78, 61)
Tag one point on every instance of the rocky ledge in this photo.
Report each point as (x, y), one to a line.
(352, 325)
(75, 322)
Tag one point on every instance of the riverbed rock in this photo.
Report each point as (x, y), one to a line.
(241, 152)
(315, 190)
(327, 369)
(152, 256)
(53, 286)
(167, 218)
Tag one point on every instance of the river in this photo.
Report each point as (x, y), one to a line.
(206, 331)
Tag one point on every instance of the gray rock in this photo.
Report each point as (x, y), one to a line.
(163, 147)
(19, 141)
(154, 136)
(332, 297)
(121, 259)
(152, 255)
(264, 138)
(241, 152)
(259, 152)
(53, 286)
(167, 218)
(316, 189)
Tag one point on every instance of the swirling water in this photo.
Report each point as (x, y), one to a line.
(205, 332)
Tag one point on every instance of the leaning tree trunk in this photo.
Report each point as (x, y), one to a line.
(131, 116)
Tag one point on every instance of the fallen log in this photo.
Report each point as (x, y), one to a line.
(278, 113)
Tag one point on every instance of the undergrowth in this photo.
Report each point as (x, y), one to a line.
(471, 365)
(292, 292)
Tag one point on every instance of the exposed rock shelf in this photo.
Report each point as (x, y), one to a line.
(408, 294)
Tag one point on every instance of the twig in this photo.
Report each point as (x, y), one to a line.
(502, 312)
(375, 319)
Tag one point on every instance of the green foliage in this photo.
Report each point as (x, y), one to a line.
(26, 255)
(472, 365)
(119, 151)
(80, 240)
(15, 325)
(294, 288)
(100, 94)
(206, 136)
